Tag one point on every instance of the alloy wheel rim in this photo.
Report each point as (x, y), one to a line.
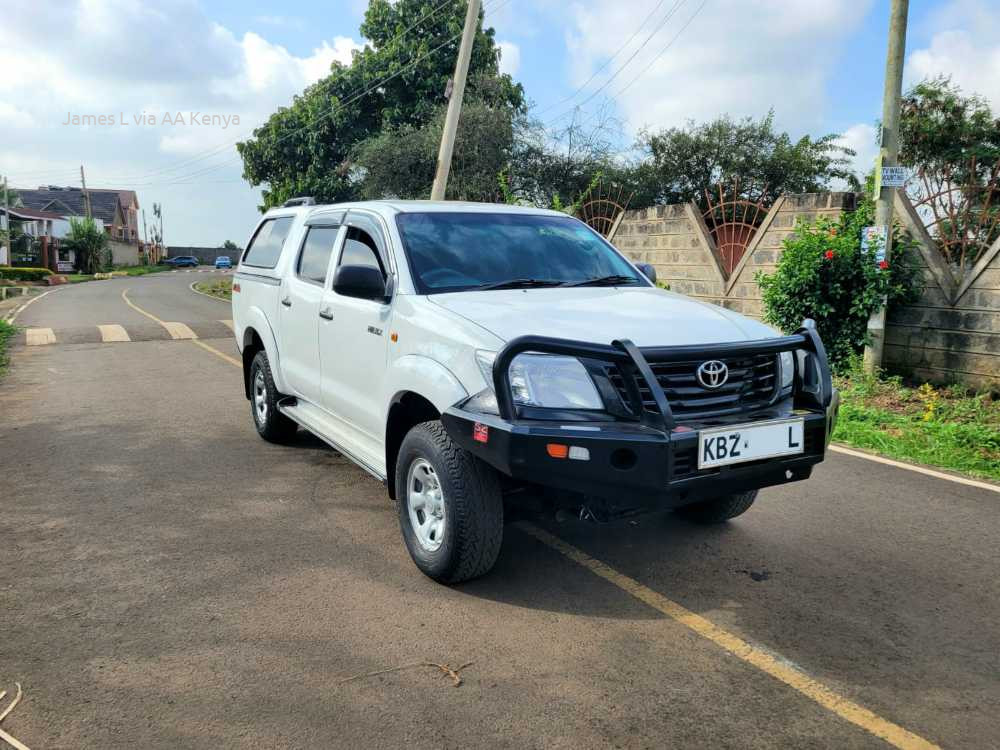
(260, 397)
(425, 504)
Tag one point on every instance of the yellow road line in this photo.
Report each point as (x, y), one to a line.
(192, 338)
(231, 360)
(766, 662)
(39, 336)
(113, 332)
(229, 324)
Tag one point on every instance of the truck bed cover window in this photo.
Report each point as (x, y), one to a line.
(265, 247)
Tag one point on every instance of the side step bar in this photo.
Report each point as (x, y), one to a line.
(304, 417)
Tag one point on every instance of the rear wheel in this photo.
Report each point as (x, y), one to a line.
(271, 424)
(719, 509)
(450, 506)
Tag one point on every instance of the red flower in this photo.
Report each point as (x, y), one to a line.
(883, 264)
(828, 255)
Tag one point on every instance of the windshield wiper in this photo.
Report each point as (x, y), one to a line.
(519, 284)
(612, 280)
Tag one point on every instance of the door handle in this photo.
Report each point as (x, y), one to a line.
(326, 314)
(287, 301)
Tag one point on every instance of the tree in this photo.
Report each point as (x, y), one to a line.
(952, 142)
(394, 86)
(89, 242)
(682, 162)
(230, 245)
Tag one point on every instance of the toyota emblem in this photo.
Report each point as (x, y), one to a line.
(712, 374)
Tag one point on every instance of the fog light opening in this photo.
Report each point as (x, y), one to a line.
(789, 474)
(624, 459)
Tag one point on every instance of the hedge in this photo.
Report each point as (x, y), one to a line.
(24, 274)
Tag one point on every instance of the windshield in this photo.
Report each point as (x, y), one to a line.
(450, 252)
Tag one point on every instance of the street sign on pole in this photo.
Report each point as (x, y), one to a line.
(894, 177)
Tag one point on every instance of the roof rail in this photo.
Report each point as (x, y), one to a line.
(306, 200)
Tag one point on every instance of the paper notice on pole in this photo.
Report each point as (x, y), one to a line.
(873, 242)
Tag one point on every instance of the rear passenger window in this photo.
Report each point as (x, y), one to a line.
(265, 247)
(316, 251)
(360, 250)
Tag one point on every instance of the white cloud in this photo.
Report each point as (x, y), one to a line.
(175, 60)
(965, 45)
(510, 57)
(735, 56)
(861, 139)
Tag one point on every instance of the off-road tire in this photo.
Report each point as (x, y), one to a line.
(719, 509)
(275, 427)
(473, 506)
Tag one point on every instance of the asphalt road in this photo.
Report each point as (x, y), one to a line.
(169, 580)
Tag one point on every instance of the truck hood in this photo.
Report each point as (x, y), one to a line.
(647, 316)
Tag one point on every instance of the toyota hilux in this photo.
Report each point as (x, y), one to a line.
(472, 355)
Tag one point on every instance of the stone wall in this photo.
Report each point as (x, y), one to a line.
(952, 333)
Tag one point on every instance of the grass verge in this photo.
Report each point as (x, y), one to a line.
(7, 331)
(221, 288)
(948, 427)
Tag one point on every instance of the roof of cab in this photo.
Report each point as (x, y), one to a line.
(392, 207)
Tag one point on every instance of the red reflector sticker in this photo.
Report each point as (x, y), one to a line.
(236, 287)
(480, 433)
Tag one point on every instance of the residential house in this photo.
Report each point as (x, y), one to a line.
(47, 228)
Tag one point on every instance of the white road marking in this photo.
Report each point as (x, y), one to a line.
(113, 332)
(39, 336)
(229, 324)
(916, 468)
(179, 330)
(18, 311)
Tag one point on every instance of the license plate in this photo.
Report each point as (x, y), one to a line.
(749, 442)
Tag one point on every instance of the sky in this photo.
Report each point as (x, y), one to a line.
(148, 67)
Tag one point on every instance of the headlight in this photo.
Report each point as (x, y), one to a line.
(787, 363)
(546, 380)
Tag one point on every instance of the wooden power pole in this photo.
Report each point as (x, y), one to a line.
(455, 102)
(889, 146)
(86, 195)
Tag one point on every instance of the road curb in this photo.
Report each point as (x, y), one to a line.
(204, 294)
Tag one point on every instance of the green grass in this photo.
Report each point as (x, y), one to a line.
(7, 332)
(221, 288)
(948, 427)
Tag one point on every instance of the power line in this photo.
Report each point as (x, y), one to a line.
(606, 62)
(624, 65)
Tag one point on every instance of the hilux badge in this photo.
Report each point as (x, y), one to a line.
(712, 374)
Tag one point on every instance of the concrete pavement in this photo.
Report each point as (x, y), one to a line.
(170, 580)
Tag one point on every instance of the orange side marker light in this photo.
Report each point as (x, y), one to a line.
(557, 450)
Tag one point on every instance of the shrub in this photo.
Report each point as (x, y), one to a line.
(823, 274)
(24, 274)
(90, 242)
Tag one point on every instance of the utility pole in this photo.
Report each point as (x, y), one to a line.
(6, 223)
(889, 146)
(455, 102)
(86, 195)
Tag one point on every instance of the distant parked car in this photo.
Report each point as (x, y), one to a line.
(223, 261)
(182, 261)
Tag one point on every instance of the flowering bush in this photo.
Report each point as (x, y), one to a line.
(823, 274)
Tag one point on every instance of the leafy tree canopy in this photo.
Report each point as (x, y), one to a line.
(952, 143)
(394, 86)
(681, 163)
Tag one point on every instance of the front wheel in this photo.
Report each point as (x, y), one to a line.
(719, 509)
(450, 506)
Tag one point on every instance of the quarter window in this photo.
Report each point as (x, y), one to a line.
(315, 256)
(265, 247)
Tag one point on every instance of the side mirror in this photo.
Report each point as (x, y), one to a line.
(363, 282)
(647, 270)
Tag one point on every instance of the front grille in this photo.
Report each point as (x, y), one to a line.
(750, 386)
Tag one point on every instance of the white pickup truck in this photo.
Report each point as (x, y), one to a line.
(464, 353)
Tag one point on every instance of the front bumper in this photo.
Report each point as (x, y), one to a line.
(651, 459)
